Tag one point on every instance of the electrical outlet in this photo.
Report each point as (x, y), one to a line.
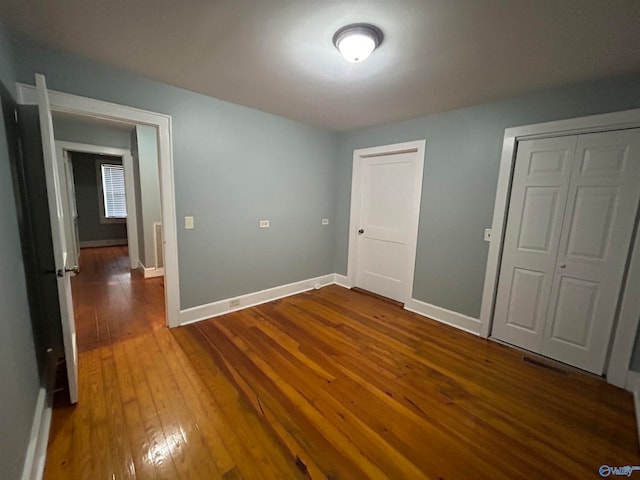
(487, 234)
(264, 223)
(188, 223)
(325, 221)
(234, 303)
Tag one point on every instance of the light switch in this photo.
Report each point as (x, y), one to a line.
(188, 223)
(264, 223)
(325, 221)
(487, 234)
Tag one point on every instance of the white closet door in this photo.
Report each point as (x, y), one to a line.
(538, 198)
(596, 235)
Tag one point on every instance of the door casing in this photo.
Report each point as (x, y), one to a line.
(417, 147)
(625, 329)
(74, 104)
(64, 147)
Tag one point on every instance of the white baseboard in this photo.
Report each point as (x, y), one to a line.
(454, 319)
(37, 450)
(150, 272)
(341, 280)
(103, 243)
(221, 307)
(153, 272)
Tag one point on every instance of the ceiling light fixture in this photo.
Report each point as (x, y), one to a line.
(357, 41)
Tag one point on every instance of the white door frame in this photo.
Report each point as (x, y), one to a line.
(623, 339)
(77, 105)
(63, 147)
(417, 147)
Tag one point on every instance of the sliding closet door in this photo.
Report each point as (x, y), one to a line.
(538, 197)
(598, 225)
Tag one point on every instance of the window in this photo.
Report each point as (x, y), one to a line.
(113, 201)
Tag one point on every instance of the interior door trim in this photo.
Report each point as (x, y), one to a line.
(78, 105)
(64, 147)
(625, 330)
(417, 147)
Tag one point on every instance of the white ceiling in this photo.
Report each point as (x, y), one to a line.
(277, 55)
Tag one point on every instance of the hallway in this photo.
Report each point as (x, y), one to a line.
(112, 302)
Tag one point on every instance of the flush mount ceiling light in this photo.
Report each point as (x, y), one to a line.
(357, 41)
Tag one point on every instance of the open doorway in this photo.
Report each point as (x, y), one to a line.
(111, 200)
(49, 102)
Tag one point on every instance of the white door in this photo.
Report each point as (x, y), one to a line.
(70, 210)
(563, 304)
(389, 204)
(56, 208)
(536, 210)
(594, 246)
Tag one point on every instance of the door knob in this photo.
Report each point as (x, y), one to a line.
(75, 269)
(563, 265)
(361, 231)
(60, 272)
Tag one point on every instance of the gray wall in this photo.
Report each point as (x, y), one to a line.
(18, 368)
(233, 166)
(460, 177)
(85, 179)
(147, 180)
(79, 130)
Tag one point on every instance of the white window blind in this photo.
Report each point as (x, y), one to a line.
(115, 198)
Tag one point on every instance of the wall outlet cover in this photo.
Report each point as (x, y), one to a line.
(487, 234)
(188, 223)
(325, 221)
(264, 223)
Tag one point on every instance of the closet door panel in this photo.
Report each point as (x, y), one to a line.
(538, 197)
(598, 223)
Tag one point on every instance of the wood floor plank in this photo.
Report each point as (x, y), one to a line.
(348, 458)
(358, 429)
(473, 400)
(516, 379)
(275, 407)
(160, 447)
(327, 384)
(387, 397)
(195, 395)
(134, 424)
(195, 449)
(60, 443)
(256, 454)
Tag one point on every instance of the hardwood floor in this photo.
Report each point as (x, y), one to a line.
(359, 388)
(112, 302)
(326, 384)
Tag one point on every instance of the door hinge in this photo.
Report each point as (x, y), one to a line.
(15, 115)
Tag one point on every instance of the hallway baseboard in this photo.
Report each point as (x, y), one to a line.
(103, 243)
